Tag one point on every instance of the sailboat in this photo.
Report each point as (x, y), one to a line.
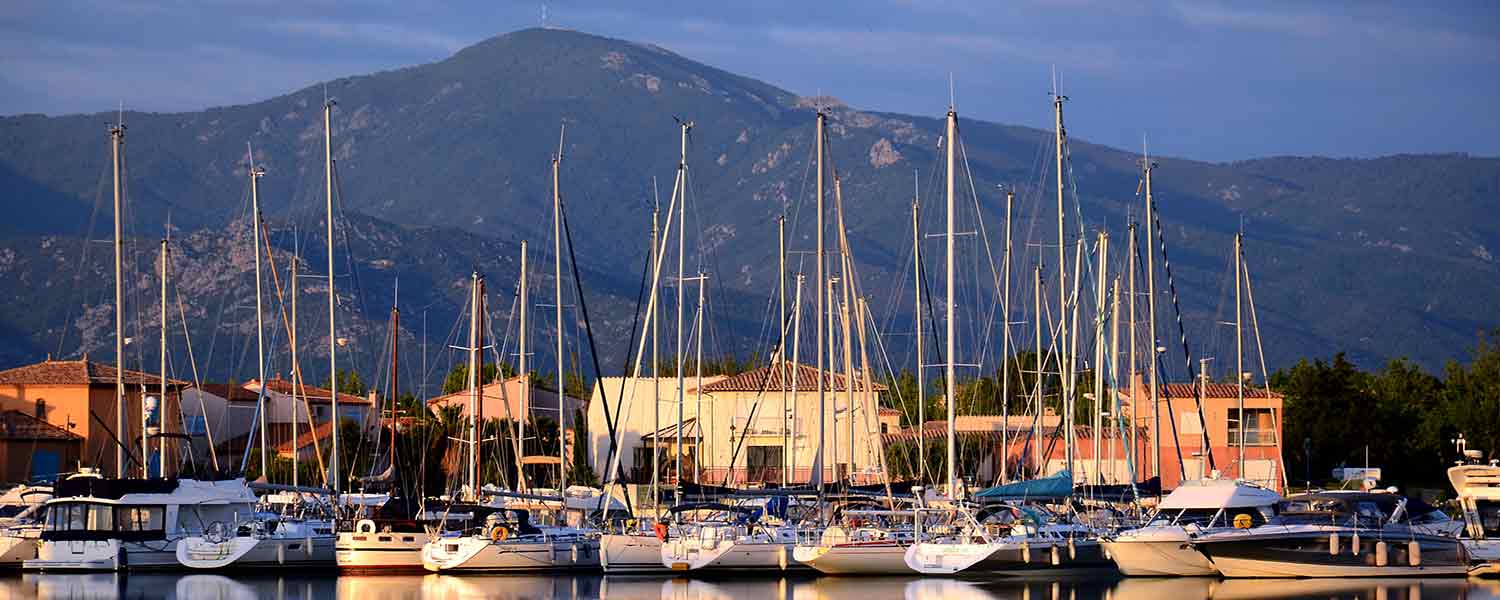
(20, 530)
(287, 530)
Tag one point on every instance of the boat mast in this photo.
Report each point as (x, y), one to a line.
(1100, 287)
(781, 359)
(1130, 331)
(829, 320)
(1148, 167)
(950, 380)
(916, 250)
(1114, 378)
(162, 463)
(562, 433)
(656, 246)
(698, 385)
(395, 360)
(475, 381)
(1239, 352)
(846, 282)
(681, 193)
(1041, 370)
(296, 367)
(796, 368)
(1060, 137)
(525, 378)
(821, 281)
(333, 371)
(117, 141)
(1010, 198)
(260, 343)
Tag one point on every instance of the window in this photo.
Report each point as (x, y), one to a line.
(1259, 427)
(41, 408)
(761, 459)
(139, 518)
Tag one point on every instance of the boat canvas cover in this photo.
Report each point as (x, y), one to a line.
(1056, 486)
(156, 491)
(1218, 493)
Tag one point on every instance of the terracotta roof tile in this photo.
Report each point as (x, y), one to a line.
(17, 425)
(1213, 390)
(768, 378)
(77, 372)
(314, 394)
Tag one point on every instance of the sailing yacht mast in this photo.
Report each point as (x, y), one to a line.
(525, 374)
(1099, 291)
(475, 381)
(296, 367)
(681, 193)
(698, 386)
(950, 380)
(781, 325)
(1148, 167)
(1060, 137)
(1239, 353)
(260, 344)
(1041, 370)
(656, 248)
(162, 442)
(395, 361)
(916, 250)
(333, 371)
(1114, 378)
(796, 368)
(846, 283)
(117, 141)
(1134, 399)
(1010, 198)
(821, 281)
(562, 434)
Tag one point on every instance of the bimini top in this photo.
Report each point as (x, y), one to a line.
(1476, 481)
(106, 490)
(1218, 493)
(1056, 486)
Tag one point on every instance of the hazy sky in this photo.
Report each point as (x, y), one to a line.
(1219, 81)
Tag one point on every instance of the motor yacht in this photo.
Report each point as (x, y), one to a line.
(1341, 534)
(1161, 547)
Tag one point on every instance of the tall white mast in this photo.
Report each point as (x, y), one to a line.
(1151, 312)
(1099, 291)
(117, 141)
(1114, 378)
(296, 367)
(830, 321)
(916, 250)
(333, 370)
(781, 325)
(681, 193)
(162, 443)
(1134, 399)
(475, 381)
(1239, 352)
(822, 280)
(846, 282)
(562, 433)
(950, 315)
(796, 368)
(1010, 198)
(656, 247)
(525, 374)
(698, 383)
(1062, 271)
(260, 344)
(1041, 372)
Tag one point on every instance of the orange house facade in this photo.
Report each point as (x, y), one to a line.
(63, 393)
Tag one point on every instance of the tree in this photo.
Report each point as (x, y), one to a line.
(458, 378)
(349, 383)
(580, 472)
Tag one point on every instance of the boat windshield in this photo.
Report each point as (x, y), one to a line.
(95, 521)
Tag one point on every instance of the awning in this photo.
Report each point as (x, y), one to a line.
(669, 433)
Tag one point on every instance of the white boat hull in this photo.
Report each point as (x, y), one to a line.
(104, 555)
(477, 554)
(689, 555)
(877, 558)
(631, 553)
(1158, 551)
(383, 552)
(250, 552)
(16, 549)
(1243, 567)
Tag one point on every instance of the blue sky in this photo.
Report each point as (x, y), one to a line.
(1208, 80)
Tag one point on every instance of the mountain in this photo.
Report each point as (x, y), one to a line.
(446, 166)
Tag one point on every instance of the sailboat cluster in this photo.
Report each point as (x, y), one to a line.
(1037, 518)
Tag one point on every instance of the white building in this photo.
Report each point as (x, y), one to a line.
(741, 437)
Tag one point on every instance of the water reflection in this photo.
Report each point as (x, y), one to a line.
(447, 587)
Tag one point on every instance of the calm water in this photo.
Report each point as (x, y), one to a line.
(445, 587)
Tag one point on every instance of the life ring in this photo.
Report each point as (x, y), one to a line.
(661, 531)
(364, 526)
(499, 533)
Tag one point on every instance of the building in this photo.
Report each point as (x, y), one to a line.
(508, 400)
(78, 397)
(734, 430)
(32, 449)
(227, 413)
(1123, 451)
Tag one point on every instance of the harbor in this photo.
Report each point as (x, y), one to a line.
(685, 335)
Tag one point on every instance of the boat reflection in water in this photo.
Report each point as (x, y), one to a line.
(194, 586)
